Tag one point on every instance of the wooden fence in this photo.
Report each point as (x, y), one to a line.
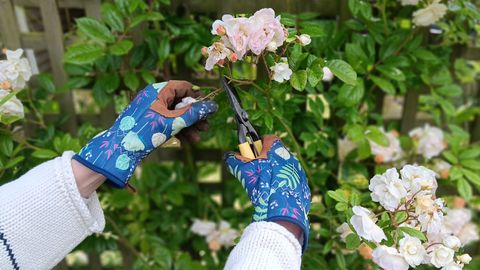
(50, 41)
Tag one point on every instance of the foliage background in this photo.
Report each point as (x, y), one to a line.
(138, 42)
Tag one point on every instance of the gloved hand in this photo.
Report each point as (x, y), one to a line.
(147, 122)
(275, 183)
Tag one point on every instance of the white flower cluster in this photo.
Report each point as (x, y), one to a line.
(428, 15)
(412, 192)
(15, 71)
(429, 140)
(217, 235)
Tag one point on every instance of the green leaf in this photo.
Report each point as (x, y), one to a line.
(341, 261)
(471, 164)
(268, 120)
(315, 73)
(78, 82)
(352, 241)
(111, 15)
(147, 76)
(472, 176)
(151, 16)
(351, 95)
(464, 189)
(383, 84)
(12, 162)
(450, 90)
(94, 30)
(6, 146)
(44, 153)
(377, 136)
(122, 47)
(83, 54)
(163, 49)
(131, 80)
(109, 82)
(341, 206)
(391, 72)
(470, 153)
(299, 80)
(343, 71)
(338, 195)
(46, 82)
(413, 232)
(450, 157)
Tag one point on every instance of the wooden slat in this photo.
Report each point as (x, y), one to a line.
(410, 107)
(8, 26)
(54, 35)
(61, 3)
(327, 8)
(33, 40)
(92, 8)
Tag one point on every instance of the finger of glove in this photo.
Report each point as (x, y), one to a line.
(199, 111)
(245, 172)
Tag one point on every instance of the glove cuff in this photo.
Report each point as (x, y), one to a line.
(115, 181)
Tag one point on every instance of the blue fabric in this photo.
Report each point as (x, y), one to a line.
(138, 130)
(277, 186)
(8, 249)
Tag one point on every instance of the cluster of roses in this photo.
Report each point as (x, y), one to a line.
(217, 235)
(15, 71)
(429, 142)
(432, 12)
(258, 33)
(412, 192)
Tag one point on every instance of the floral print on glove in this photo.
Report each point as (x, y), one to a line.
(275, 183)
(145, 124)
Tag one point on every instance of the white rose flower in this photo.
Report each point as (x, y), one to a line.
(304, 39)
(202, 227)
(441, 256)
(430, 141)
(431, 223)
(13, 107)
(452, 242)
(418, 178)
(281, 72)
(216, 54)
(441, 168)
(389, 258)
(345, 146)
(412, 250)
(389, 153)
(409, 2)
(344, 231)
(387, 189)
(455, 220)
(363, 221)
(327, 75)
(468, 234)
(16, 70)
(424, 204)
(430, 14)
(453, 266)
(465, 258)
(224, 236)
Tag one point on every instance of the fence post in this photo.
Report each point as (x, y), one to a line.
(8, 26)
(54, 35)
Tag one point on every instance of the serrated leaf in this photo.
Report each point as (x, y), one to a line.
(111, 15)
(464, 189)
(413, 232)
(83, 54)
(94, 30)
(472, 176)
(352, 241)
(343, 71)
(122, 47)
(298, 80)
(383, 84)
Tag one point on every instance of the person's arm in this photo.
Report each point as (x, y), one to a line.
(51, 209)
(43, 216)
(278, 188)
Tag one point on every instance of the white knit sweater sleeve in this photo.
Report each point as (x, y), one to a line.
(43, 217)
(265, 245)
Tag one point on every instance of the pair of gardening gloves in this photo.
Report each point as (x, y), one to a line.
(275, 181)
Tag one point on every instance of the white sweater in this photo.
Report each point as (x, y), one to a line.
(43, 217)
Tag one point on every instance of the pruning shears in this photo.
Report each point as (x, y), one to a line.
(250, 143)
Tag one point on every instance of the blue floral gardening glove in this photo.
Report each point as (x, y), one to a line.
(147, 122)
(275, 183)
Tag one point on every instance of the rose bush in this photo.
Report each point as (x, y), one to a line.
(320, 86)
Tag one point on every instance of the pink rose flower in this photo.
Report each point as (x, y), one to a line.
(216, 54)
(266, 30)
(235, 33)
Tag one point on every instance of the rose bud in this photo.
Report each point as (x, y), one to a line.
(5, 84)
(221, 31)
(221, 62)
(233, 57)
(204, 51)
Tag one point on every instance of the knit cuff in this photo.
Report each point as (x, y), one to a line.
(88, 211)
